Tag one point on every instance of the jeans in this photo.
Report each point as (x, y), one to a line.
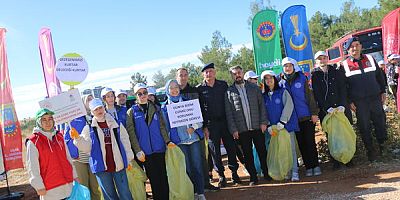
(194, 165)
(106, 181)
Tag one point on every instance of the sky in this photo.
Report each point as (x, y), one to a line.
(118, 39)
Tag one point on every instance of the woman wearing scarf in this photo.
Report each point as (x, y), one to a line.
(81, 159)
(306, 110)
(280, 112)
(51, 175)
(149, 138)
(107, 143)
(188, 139)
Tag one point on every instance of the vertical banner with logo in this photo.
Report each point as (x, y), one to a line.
(296, 37)
(48, 62)
(391, 33)
(10, 130)
(266, 41)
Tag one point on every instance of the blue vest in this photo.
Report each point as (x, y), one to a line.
(78, 123)
(121, 112)
(173, 132)
(96, 161)
(297, 91)
(274, 106)
(149, 137)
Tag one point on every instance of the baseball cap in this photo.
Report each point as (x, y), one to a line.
(120, 91)
(139, 86)
(267, 72)
(95, 103)
(42, 112)
(106, 90)
(320, 53)
(250, 74)
(151, 90)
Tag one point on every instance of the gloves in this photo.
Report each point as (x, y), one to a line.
(140, 156)
(74, 133)
(280, 125)
(129, 167)
(341, 109)
(269, 129)
(171, 145)
(330, 110)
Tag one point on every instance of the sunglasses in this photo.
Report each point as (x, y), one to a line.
(141, 94)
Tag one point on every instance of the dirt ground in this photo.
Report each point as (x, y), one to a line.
(363, 181)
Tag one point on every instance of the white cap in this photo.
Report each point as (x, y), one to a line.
(393, 56)
(106, 90)
(291, 61)
(95, 103)
(250, 74)
(120, 91)
(320, 53)
(381, 62)
(267, 72)
(139, 86)
(151, 90)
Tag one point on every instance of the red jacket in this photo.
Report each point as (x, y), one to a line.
(55, 168)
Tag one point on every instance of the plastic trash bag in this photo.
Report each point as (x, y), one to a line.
(279, 157)
(79, 192)
(180, 186)
(136, 179)
(341, 136)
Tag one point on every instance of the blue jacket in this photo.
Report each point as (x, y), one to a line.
(78, 124)
(96, 161)
(275, 106)
(297, 90)
(173, 132)
(148, 135)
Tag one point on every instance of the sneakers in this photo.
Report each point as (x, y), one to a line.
(295, 177)
(222, 182)
(252, 183)
(267, 177)
(309, 172)
(236, 178)
(317, 171)
(210, 188)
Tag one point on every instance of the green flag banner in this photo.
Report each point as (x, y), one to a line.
(266, 41)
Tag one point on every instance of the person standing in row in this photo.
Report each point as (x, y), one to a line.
(80, 158)
(189, 92)
(392, 73)
(329, 87)
(149, 138)
(212, 100)
(307, 113)
(48, 161)
(247, 121)
(280, 112)
(251, 77)
(366, 87)
(107, 143)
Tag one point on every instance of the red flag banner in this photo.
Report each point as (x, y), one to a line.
(391, 32)
(10, 130)
(48, 62)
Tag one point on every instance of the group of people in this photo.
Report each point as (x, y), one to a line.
(98, 148)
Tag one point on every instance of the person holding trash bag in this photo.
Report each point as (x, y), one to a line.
(280, 112)
(149, 138)
(108, 144)
(48, 161)
(307, 111)
(187, 138)
(81, 159)
(329, 89)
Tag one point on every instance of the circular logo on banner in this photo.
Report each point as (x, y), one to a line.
(71, 69)
(297, 85)
(266, 31)
(277, 101)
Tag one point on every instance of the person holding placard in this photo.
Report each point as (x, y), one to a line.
(107, 143)
(149, 138)
(118, 112)
(81, 159)
(48, 161)
(188, 138)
